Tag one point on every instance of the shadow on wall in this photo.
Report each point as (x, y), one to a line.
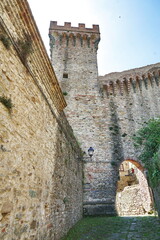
(134, 196)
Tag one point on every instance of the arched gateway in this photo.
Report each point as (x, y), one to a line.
(104, 112)
(134, 196)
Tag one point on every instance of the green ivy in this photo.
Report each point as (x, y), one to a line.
(147, 140)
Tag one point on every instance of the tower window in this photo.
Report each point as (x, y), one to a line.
(65, 75)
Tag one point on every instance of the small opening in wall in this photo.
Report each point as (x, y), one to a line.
(65, 75)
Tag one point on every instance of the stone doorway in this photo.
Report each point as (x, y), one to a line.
(133, 195)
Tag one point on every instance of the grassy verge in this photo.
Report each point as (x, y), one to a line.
(115, 228)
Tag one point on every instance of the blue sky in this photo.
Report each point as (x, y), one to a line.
(130, 29)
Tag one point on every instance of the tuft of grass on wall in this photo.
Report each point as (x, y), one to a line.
(114, 164)
(5, 40)
(25, 47)
(7, 102)
(65, 93)
(65, 200)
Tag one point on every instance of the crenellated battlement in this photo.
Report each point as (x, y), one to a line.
(74, 36)
(67, 27)
(120, 83)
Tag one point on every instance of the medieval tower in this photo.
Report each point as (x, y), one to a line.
(74, 58)
(104, 112)
(46, 129)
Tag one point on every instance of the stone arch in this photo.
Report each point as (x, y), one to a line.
(134, 196)
(136, 163)
(72, 39)
(119, 87)
(139, 83)
(111, 88)
(79, 38)
(125, 85)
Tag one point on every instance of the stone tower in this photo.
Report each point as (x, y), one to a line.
(74, 58)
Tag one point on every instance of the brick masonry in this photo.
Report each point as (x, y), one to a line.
(104, 111)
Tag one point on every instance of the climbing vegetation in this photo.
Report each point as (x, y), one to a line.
(25, 47)
(147, 140)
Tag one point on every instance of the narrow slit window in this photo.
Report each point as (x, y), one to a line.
(65, 75)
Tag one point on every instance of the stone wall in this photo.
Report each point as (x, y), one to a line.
(135, 199)
(105, 112)
(126, 181)
(130, 202)
(134, 96)
(40, 167)
(156, 196)
(145, 191)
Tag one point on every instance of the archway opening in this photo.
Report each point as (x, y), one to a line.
(134, 196)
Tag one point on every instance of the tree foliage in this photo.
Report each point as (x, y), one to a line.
(147, 140)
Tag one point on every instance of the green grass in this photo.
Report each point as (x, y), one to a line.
(115, 228)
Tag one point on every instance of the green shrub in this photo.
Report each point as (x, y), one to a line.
(147, 139)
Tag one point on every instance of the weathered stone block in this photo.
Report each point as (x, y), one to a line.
(7, 207)
(100, 209)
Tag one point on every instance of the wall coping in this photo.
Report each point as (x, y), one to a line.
(132, 73)
(19, 15)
